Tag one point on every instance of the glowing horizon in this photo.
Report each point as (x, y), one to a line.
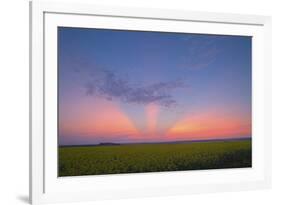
(124, 86)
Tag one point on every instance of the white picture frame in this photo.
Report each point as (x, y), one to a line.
(46, 187)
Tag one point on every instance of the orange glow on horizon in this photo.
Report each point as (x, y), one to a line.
(210, 125)
(103, 119)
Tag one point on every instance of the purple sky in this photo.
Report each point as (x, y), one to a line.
(128, 86)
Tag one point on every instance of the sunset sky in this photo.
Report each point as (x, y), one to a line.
(131, 86)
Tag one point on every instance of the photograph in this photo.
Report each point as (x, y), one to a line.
(132, 101)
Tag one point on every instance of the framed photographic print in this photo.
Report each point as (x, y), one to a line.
(129, 102)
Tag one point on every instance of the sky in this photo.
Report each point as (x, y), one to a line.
(134, 86)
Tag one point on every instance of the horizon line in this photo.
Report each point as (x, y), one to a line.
(156, 142)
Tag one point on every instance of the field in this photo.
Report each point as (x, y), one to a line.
(135, 158)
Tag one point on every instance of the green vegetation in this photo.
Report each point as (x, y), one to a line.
(134, 158)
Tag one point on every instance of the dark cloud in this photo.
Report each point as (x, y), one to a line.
(103, 82)
(108, 85)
